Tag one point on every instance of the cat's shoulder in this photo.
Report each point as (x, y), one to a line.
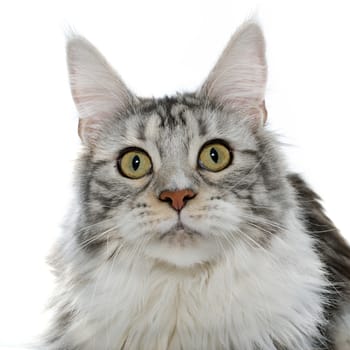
(334, 251)
(319, 225)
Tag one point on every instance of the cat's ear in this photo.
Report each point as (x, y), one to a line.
(238, 79)
(98, 91)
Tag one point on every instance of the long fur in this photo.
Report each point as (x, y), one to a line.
(256, 263)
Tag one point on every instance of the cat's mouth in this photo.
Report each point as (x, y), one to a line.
(180, 230)
(182, 245)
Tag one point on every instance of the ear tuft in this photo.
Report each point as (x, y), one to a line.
(97, 90)
(239, 77)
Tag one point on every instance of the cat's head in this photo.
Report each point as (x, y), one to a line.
(182, 179)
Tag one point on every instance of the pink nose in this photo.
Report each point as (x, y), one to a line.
(177, 199)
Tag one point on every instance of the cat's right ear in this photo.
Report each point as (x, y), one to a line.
(98, 92)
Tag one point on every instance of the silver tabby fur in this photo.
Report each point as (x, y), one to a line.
(251, 262)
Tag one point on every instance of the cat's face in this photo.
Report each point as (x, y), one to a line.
(185, 179)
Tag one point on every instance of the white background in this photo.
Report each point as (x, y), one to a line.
(158, 47)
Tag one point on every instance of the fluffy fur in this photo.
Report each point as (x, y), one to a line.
(251, 262)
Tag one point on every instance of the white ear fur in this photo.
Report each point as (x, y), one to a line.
(97, 90)
(238, 79)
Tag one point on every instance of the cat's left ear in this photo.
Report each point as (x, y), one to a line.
(238, 79)
(98, 91)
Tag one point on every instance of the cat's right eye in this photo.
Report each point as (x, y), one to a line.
(134, 163)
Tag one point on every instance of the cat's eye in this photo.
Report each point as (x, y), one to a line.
(134, 163)
(215, 156)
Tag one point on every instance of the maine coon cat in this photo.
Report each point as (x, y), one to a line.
(188, 231)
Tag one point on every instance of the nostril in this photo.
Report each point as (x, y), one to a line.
(167, 200)
(188, 197)
(165, 197)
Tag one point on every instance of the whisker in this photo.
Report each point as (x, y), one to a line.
(79, 247)
(261, 228)
(322, 231)
(82, 229)
(223, 249)
(261, 248)
(258, 219)
(95, 237)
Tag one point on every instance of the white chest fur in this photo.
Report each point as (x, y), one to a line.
(251, 298)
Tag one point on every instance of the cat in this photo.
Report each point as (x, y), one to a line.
(187, 230)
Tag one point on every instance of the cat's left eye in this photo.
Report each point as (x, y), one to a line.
(215, 156)
(134, 163)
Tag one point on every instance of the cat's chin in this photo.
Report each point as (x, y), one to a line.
(183, 247)
(181, 235)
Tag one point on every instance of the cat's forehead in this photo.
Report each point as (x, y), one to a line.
(170, 119)
(169, 114)
(169, 105)
(181, 120)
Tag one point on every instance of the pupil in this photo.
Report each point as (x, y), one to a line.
(214, 155)
(136, 163)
